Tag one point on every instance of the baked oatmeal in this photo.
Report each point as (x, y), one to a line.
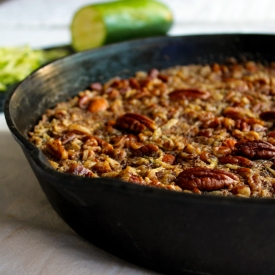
(205, 129)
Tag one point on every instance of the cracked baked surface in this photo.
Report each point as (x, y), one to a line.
(205, 129)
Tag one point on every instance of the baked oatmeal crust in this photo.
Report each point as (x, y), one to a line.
(206, 129)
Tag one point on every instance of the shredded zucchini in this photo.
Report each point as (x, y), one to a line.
(16, 63)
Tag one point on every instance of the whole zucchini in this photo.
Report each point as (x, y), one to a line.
(104, 23)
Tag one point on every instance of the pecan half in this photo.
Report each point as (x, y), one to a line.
(150, 150)
(237, 112)
(238, 160)
(242, 125)
(256, 149)
(56, 149)
(192, 93)
(135, 123)
(205, 179)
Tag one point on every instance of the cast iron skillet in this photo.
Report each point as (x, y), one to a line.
(170, 232)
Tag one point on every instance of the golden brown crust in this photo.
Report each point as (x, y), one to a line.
(205, 129)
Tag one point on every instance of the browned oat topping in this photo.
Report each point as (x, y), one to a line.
(206, 129)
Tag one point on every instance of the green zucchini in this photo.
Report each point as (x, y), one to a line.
(109, 22)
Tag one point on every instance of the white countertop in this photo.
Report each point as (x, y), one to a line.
(33, 239)
(41, 23)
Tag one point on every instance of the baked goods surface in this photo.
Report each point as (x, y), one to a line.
(204, 129)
